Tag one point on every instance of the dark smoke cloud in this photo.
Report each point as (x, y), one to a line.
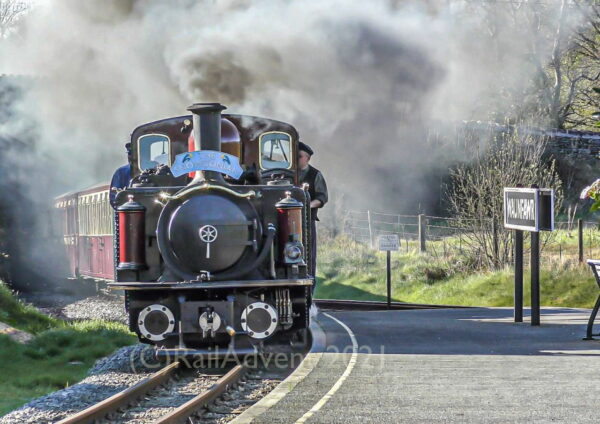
(361, 81)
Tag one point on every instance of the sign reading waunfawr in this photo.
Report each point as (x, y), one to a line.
(520, 209)
(529, 209)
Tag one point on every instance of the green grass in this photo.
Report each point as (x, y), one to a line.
(60, 354)
(21, 316)
(349, 270)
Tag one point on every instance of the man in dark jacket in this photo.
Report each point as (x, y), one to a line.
(318, 195)
(121, 177)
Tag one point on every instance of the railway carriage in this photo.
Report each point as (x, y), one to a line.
(87, 220)
(209, 239)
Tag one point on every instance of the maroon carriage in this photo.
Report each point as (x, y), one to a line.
(88, 232)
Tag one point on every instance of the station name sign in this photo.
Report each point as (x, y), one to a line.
(529, 209)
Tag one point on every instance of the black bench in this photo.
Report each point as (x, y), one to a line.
(595, 265)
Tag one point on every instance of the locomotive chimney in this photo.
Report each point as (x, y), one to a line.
(207, 135)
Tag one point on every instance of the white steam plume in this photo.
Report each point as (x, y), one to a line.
(361, 81)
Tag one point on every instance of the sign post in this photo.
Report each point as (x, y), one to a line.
(528, 209)
(388, 243)
(518, 276)
(518, 313)
(535, 278)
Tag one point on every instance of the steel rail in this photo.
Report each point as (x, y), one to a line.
(183, 412)
(123, 398)
(367, 305)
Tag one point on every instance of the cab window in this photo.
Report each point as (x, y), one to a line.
(275, 150)
(154, 149)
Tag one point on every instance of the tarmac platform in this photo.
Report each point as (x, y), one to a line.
(470, 365)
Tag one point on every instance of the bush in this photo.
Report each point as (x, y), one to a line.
(476, 193)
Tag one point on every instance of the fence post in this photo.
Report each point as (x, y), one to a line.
(422, 236)
(560, 252)
(370, 228)
(580, 237)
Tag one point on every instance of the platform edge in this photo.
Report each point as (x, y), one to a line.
(310, 361)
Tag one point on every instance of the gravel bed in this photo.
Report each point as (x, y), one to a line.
(97, 307)
(164, 399)
(49, 303)
(78, 307)
(233, 403)
(109, 375)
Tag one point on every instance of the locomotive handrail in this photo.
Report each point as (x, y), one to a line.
(207, 186)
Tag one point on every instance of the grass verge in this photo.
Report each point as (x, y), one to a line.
(60, 354)
(349, 270)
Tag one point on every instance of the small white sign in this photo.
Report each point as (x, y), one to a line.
(389, 242)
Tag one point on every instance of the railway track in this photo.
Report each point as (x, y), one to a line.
(368, 305)
(126, 405)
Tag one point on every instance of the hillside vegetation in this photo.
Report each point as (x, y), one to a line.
(350, 270)
(59, 355)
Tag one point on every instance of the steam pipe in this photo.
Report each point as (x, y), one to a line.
(207, 135)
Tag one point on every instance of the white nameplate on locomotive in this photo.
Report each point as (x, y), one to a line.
(207, 160)
(389, 242)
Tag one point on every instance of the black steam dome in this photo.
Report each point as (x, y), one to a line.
(206, 232)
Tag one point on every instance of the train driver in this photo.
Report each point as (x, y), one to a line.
(318, 194)
(121, 177)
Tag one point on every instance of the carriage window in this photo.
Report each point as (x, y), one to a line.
(153, 149)
(275, 150)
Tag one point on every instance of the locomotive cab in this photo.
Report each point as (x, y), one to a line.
(213, 260)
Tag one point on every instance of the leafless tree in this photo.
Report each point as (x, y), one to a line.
(582, 62)
(558, 76)
(567, 85)
(476, 194)
(561, 48)
(10, 11)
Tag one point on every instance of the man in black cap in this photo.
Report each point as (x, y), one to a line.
(318, 195)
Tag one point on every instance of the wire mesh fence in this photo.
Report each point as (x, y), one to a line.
(483, 239)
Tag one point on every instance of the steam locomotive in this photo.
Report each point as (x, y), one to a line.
(210, 260)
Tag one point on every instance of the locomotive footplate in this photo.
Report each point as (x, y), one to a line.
(208, 284)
